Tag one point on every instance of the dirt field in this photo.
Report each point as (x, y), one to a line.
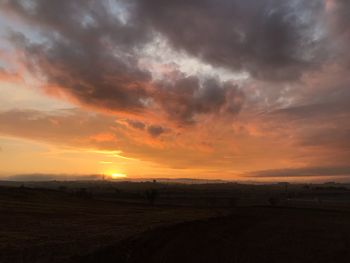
(50, 226)
(99, 222)
(265, 234)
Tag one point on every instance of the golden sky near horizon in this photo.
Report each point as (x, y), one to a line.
(235, 90)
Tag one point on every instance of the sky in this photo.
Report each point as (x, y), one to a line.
(250, 90)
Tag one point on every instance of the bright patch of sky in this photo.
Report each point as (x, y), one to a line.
(119, 9)
(158, 57)
(15, 96)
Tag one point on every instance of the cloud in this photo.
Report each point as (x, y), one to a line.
(7, 76)
(290, 109)
(136, 124)
(94, 62)
(51, 177)
(67, 127)
(331, 138)
(186, 98)
(162, 145)
(79, 129)
(275, 40)
(92, 56)
(155, 130)
(303, 172)
(87, 73)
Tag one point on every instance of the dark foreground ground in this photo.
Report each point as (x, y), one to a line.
(38, 225)
(259, 235)
(102, 222)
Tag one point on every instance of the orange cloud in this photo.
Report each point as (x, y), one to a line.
(103, 137)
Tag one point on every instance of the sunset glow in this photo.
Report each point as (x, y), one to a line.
(262, 95)
(116, 176)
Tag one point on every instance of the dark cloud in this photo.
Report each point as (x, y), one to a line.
(303, 172)
(155, 130)
(330, 138)
(91, 54)
(136, 124)
(275, 40)
(186, 98)
(324, 124)
(307, 111)
(341, 10)
(52, 177)
(93, 63)
(324, 110)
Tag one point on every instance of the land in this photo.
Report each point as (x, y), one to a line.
(102, 221)
(264, 235)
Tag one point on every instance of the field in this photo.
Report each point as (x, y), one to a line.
(264, 235)
(120, 222)
(51, 226)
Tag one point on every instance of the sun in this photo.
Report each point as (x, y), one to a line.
(116, 176)
(113, 174)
